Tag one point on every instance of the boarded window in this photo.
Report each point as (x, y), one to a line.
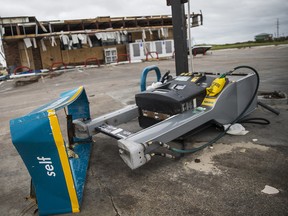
(168, 46)
(136, 50)
(158, 45)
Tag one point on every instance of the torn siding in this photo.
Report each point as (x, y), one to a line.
(74, 41)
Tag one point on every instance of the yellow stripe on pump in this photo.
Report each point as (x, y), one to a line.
(208, 102)
(80, 89)
(57, 135)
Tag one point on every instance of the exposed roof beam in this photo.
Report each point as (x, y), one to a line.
(132, 29)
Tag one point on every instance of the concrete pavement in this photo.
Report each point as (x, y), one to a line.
(227, 181)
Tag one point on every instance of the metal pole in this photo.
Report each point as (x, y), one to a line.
(179, 35)
(190, 39)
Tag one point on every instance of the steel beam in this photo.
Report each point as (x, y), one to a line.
(179, 35)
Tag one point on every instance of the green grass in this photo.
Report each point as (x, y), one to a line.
(246, 44)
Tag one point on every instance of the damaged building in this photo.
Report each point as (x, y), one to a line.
(34, 45)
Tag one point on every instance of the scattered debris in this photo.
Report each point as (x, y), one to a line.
(72, 154)
(270, 190)
(254, 140)
(235, 129)
(4, 77)
(273, 98)
(154, 85)
(27, 81)
(197, 160)
(242, 150)
(80, 70)
(274, 95)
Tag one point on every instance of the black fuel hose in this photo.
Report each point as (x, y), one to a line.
(193, 150)
(261, 121)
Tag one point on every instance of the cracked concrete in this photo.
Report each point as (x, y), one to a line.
(163, 186)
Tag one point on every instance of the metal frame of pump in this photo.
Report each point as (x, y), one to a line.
(58, 169)
(227, 106)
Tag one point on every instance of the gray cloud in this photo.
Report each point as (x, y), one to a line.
(232, 21)
(224, 20)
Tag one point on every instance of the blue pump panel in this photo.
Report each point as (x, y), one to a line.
(58, 179)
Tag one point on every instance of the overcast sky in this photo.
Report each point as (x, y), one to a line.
(225, 21)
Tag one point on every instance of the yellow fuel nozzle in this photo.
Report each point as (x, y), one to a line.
(216, 86)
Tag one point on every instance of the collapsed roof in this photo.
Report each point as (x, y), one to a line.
(22, 27)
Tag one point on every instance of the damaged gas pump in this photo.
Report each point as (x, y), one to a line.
(57, 161)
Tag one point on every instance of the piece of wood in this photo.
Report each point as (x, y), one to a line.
(53, 54)
(26, 56)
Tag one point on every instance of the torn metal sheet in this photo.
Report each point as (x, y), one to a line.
(57, 179)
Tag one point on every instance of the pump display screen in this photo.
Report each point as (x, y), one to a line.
(179, 87)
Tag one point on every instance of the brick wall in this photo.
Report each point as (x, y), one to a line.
(11, 53)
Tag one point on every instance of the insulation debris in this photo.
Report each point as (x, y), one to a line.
(270, 190)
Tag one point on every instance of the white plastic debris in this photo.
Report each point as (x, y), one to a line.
(242, 150)
(27, 42)
(270, 190)
(236, 129)
(254, 140)
(154, 85)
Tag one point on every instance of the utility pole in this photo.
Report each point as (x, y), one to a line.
(277, 24)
